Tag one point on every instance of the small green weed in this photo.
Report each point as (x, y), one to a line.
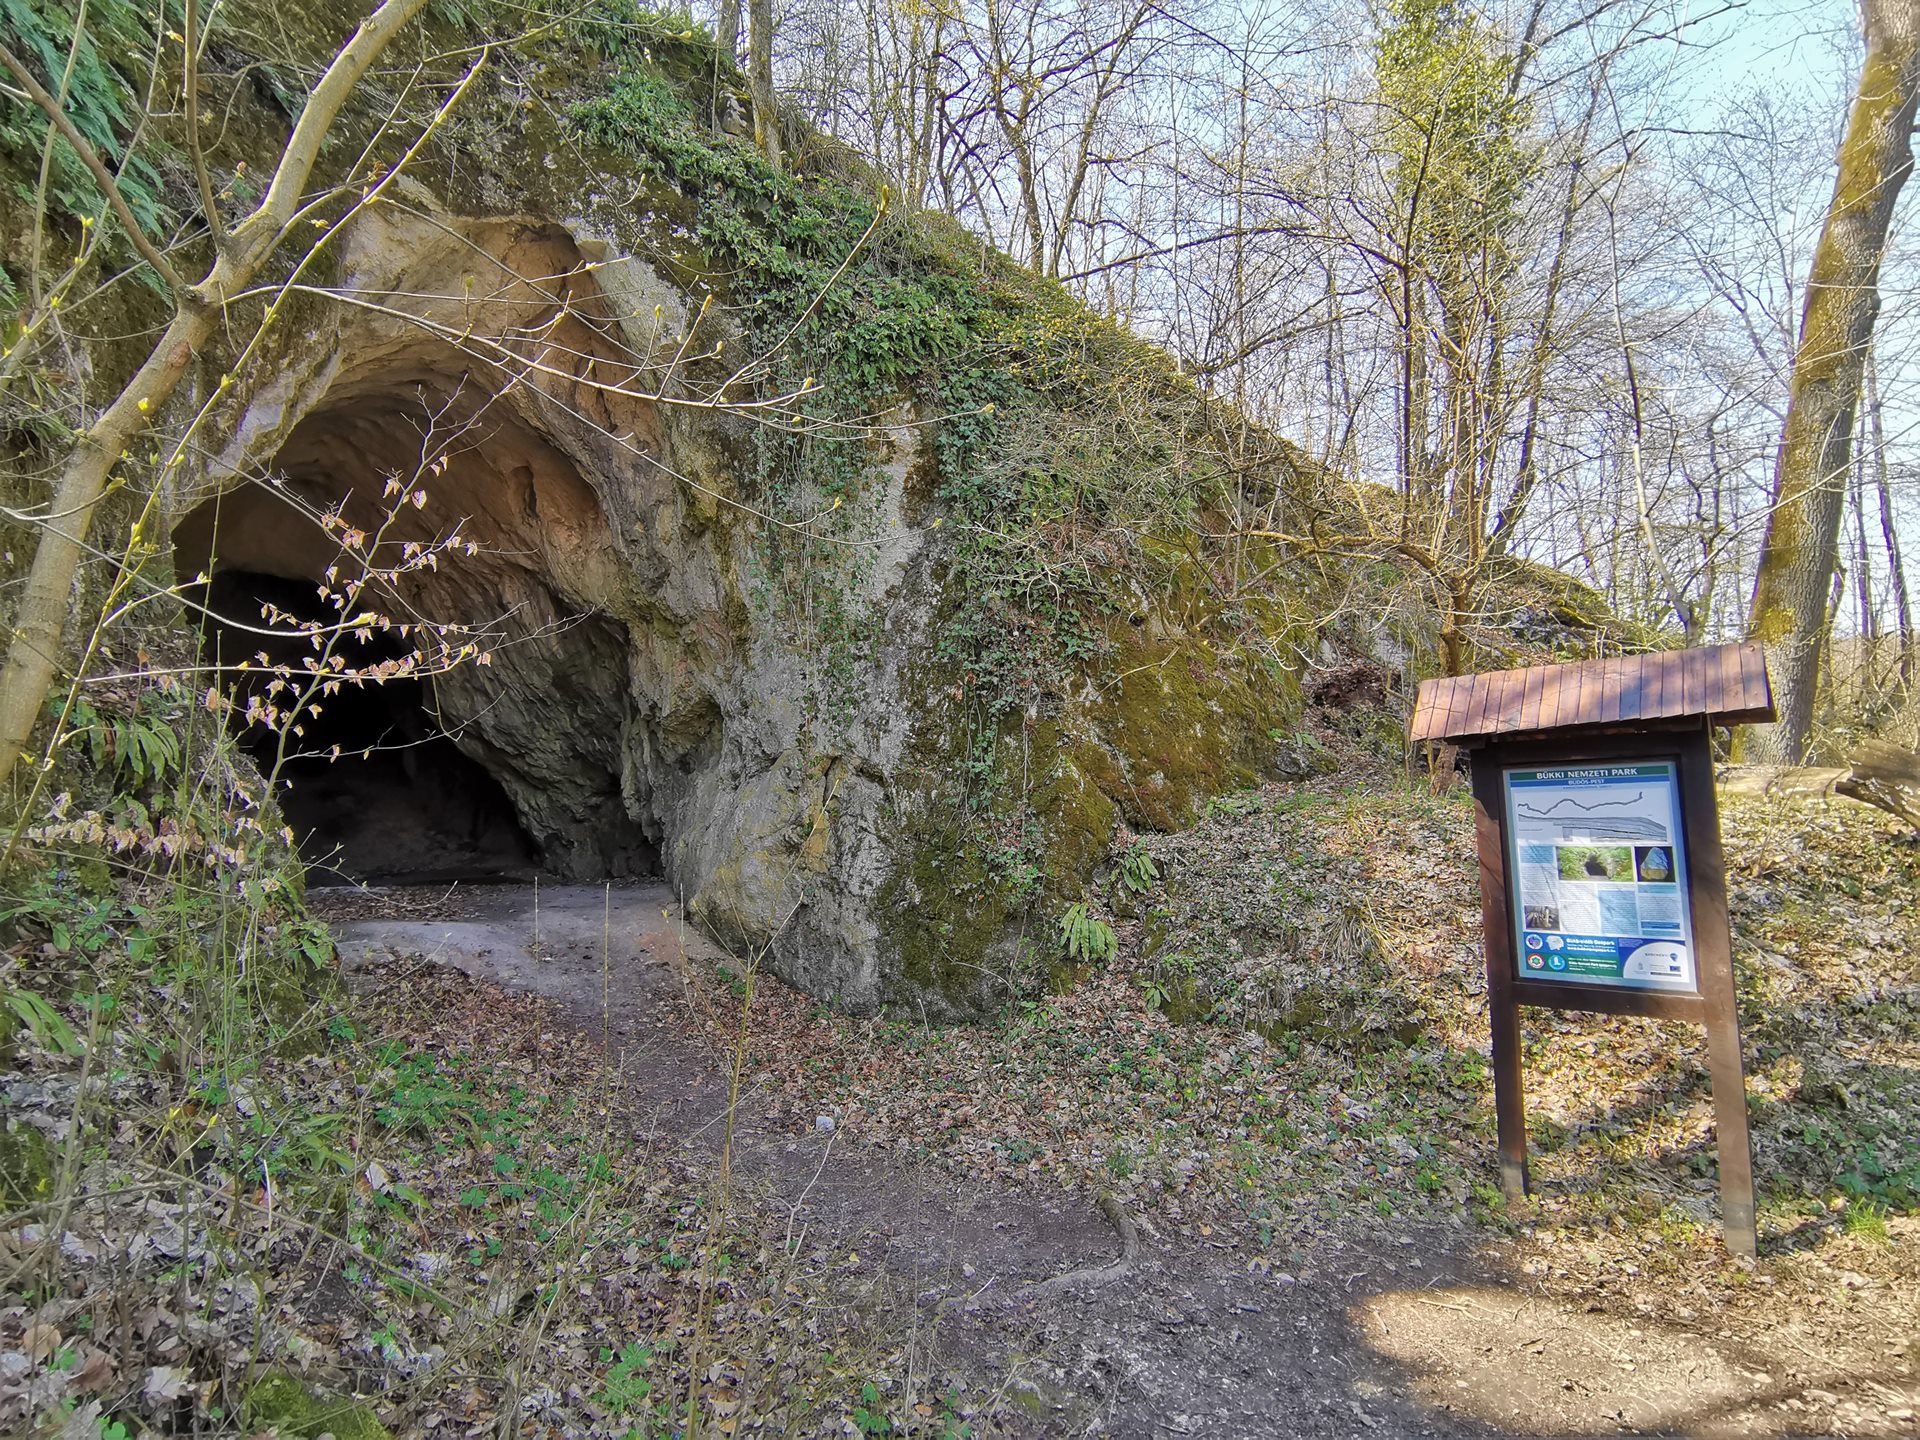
(626, 1387)
(952, 1427)
(870, 1415)
(1136, 871)
(1867, 1220)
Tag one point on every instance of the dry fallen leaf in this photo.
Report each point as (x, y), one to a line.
(166, 1382)
(94, 1372)
(40, 1341)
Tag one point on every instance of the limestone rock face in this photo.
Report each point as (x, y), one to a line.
(879, 683)
(634, 704)
(528, 386)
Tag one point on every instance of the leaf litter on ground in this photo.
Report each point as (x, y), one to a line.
(446, 1207)
(446, 1203)
(1291, 1045)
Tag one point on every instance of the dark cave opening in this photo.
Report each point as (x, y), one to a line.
(472, 547)
(376, 791)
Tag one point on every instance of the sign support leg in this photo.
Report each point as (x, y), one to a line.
(1509, 1098)
(1730, 1128)
(1722, 1010)
(1503, 1010)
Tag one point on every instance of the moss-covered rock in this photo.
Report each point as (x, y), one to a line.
(1075, 812)
(1550, 612)
(1184, 727)
(288, 1407)
(1002, 823)
(955, 921)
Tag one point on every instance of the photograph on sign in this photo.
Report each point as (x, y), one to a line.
(1599, 875)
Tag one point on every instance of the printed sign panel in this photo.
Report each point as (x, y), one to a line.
(1600, 875)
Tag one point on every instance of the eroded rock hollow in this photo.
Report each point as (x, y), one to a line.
(478, 769)
(624, 713)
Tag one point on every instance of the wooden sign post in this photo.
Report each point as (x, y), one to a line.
(1602, 884)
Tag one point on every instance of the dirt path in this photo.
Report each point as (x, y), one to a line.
(1373, 1333)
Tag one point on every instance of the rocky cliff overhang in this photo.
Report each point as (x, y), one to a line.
(521, 410)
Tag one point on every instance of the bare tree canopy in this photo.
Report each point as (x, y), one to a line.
(1541, 270)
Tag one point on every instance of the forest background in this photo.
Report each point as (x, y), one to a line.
(1537, 270)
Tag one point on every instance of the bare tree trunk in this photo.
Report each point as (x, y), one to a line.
(1683, 608)
(1526, 470)
(1827, 696)
(40, 622)
(726, 29)
(1889, 534)
(1414, 397)
(766, 116)
(1842, 301)
(926, 130)
(1868, 670)
(1110, 79)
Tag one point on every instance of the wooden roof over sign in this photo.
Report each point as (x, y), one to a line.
(1724, 684)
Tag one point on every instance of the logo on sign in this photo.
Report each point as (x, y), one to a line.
(1657, 960)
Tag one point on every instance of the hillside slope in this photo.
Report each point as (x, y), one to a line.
(810, 554)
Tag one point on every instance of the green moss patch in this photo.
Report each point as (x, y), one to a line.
(289, 1408)
(1184, 727)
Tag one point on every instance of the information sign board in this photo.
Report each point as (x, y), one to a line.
(1598, 857)
(1602, 879)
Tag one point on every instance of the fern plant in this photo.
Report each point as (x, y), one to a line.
(1084, 937)
(146, 747)
(86, 65)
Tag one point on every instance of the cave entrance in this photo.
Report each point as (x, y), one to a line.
(375, 789)
(499, 770)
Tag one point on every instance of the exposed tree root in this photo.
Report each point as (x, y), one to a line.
(1089, 1277)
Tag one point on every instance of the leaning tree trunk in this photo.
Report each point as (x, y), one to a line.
(1789, 613)
(40, 622)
